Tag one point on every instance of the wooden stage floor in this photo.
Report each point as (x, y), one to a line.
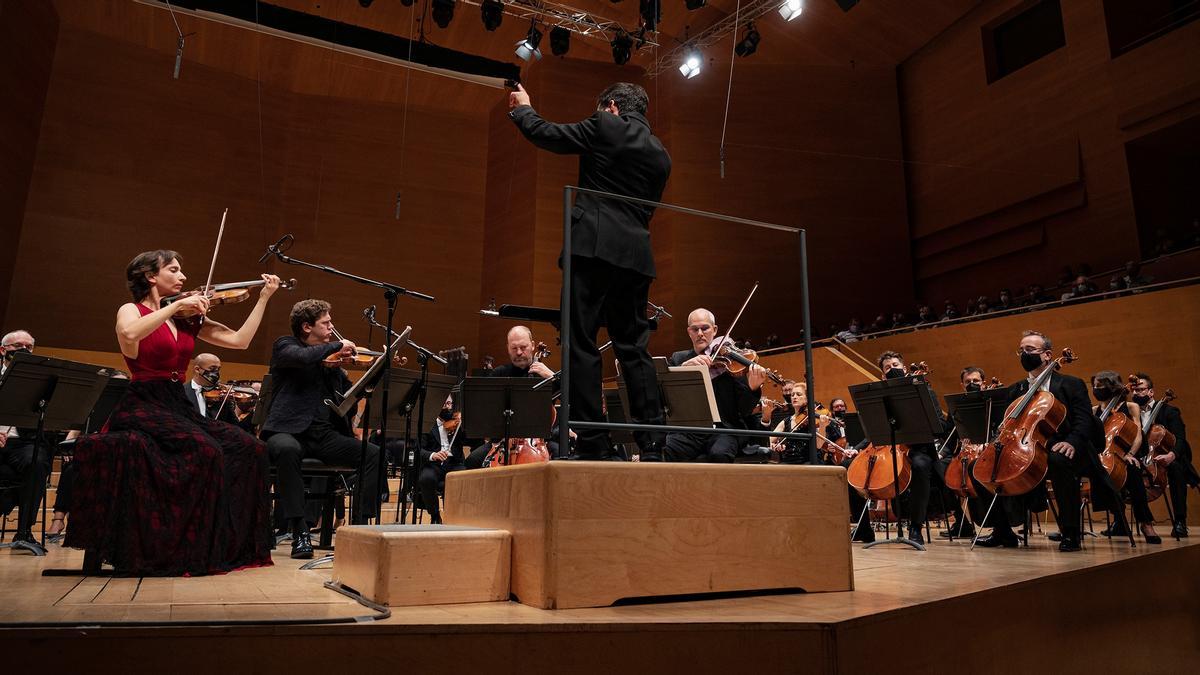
(1000, 608)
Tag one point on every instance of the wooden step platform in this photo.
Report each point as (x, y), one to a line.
(586, 534)
(398, 565)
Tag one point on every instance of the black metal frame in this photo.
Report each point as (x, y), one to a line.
(565, 330)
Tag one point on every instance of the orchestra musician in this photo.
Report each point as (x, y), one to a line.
(1181, 473)
(300, 424)
(772, 414)
(1071, 452)
(442, 452)
(737, 396)
(522, 357)
(17, 446)
(243, 410)
(612, 263)
(971, 379)
(793, 450)
(1105, 385)
(195, 489)
(206, 375)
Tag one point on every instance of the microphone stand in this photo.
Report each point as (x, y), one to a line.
(423, 356)
(390, 293)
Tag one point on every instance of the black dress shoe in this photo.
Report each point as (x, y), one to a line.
(915, 535)
(1069, 544)
(1054, 536)
(652, 453)
(865, 535)
(302, 548)
(998, 541)
(1179, 531)
(1114, 531)
(968, 530)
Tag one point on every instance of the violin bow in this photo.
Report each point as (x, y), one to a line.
(728, 333)
(213, 266)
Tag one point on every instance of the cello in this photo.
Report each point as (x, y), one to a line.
(1159, 441)
(958, 477)
(873, 472)
(1120, 433)
(1016, 461)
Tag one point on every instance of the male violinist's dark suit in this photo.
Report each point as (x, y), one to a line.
(612, 263)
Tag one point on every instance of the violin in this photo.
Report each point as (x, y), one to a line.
(735, 361)
(223, 294)
(238, 390)
(1016, 461)
(1160, 441)
(920, 368)
(361, 359)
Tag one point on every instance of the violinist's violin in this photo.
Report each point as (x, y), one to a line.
(735, 361)
(223, 294)
(1016, 461)
(1120, 433)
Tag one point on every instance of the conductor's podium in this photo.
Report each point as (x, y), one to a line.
(586, 534)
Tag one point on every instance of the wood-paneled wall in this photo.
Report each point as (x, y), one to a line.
(1010, 181)
(1156, 333)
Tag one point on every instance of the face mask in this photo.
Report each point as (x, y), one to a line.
(1030, 362)
(973, 386)
(1101, 393)
(839, 414)
(446, 415)
(213, 377)
(1141, 399)
(8, 354)
(894, 373)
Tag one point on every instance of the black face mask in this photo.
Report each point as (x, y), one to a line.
(1030, 362)
(446, 415)
(839, 414)
(894, 373)
(8, 354)
(1102, 393)
(1141, 399)
(212, 377)
(973, 386)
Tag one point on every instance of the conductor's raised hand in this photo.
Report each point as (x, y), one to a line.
(518, 98)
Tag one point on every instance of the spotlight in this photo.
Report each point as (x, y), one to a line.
(560, 41)
(651, 11)
(749, 42)
(365, 3)
(492, 12)
(443, 12)
(694, 4)
(791, 9)
(528, 48)
(622, 47)
(691, 64)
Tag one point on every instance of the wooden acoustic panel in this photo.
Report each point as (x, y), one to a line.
(586, 534)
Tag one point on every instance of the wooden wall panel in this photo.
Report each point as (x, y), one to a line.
(1157, 333)
(976, 149)
(28, 35)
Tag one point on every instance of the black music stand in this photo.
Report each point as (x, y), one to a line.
(506, 407)
(976, 414)
(686, 395)
(903, 411)
(47, 394)
(854, 429)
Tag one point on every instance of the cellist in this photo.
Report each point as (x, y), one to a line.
(971, 378)
(1181, 473)
(1071, 453)
(1106, 385)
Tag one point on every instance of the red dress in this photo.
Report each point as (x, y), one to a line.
(166, 491)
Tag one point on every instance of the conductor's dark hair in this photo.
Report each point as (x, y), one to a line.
(629, 97)
(142, 264)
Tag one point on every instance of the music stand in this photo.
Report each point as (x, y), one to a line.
(427, 399)
(854, 429)
(687, 396)
(506, 407)
(901, 410)
(47, 394)
(976, 414)
(616, 401)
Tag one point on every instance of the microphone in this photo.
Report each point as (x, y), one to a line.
(369, 313)
(276, 248)
(178, 57)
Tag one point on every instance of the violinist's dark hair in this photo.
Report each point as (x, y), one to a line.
(1147, 378)
(888, 355)
(1110, 378)
(307, 312)
(142, 264)
(968, 370)
(629, 97)
(1046, 344)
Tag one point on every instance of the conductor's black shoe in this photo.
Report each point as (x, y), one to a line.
(865, 535)
(1069, 544)
(651, 453)
(302, 548)
(1180, 530)
(1054, 536)
(995, 540)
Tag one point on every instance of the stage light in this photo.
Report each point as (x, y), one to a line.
(791, 9)
(365, 3)
(560, 41)
(528, 48)
(443, 12)
(749, 42)
(492, 13)
(694, 4)
(622, 47)
(691, 64)
(651, 11)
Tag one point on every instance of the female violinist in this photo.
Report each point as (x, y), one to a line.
(194, 489)
(1121, 420)
(795, 451)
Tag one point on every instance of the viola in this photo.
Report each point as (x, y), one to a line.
(958, 472)
(735, 361)
(871, 471)
(223, 294)
(1016, 461)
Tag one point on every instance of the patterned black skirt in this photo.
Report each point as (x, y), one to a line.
(168, 492)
